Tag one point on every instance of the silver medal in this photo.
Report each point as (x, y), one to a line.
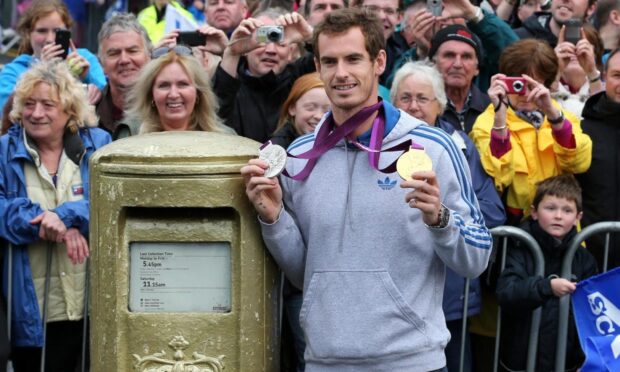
(275, 156)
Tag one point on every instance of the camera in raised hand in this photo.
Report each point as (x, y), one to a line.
(270, 34)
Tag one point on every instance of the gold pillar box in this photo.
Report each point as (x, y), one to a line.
(180, 280)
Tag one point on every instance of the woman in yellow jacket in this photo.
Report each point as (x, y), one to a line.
(524, 137)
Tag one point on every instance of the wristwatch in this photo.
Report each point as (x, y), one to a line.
(444, 218)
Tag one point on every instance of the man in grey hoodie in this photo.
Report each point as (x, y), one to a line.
(369, 255)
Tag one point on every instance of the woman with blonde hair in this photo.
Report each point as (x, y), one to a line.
(44, 213)
(174, 93)
(37, 29)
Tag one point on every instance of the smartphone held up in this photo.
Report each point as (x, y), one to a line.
(572, 30)
(63, 38)
(192, 38)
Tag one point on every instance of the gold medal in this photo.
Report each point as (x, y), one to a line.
(412, 161)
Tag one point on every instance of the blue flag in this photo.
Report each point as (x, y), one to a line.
(596, 305)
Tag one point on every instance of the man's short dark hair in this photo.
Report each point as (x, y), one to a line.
(341, 20)
(603, 8)
(563, 186)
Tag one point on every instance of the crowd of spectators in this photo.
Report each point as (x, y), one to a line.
(528, 91)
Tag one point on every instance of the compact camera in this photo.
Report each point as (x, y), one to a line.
(434, 7)
(516, 85)
(270, 34)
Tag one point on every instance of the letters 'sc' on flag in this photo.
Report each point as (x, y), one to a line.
(596, 305)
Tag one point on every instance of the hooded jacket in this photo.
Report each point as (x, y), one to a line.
(519, 292)
(601, 194)
(11, 72)
(16, 210)
(366, 259)
(534, 155)
(537, 26)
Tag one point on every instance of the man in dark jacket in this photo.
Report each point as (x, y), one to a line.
(252, 88)
(600, 184)
(456, 52)
(546, 26)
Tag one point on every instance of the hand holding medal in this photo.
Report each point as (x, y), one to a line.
(261, 183)
(274, 156)
(416, 169)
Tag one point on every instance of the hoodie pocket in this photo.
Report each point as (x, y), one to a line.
(359, 315)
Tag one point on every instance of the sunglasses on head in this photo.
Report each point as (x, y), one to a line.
(181, 50)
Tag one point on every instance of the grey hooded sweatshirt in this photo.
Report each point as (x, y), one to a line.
(372, 271)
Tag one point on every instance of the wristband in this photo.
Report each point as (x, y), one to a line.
(559, 120)
(478, 16)
(596, 78)
(499, 128)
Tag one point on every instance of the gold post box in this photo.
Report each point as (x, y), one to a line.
(180, 279)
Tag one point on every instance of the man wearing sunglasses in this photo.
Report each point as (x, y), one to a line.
(256, 73)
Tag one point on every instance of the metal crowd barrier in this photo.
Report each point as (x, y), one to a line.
(48, 267)
(595, 229)
(506, 232)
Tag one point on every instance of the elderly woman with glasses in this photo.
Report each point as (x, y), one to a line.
(173, 93)
(44, 213)
(418, 89)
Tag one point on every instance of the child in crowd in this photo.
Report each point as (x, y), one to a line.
(556, 210)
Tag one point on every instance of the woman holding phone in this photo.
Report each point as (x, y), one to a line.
(38, 29)
(525, 136)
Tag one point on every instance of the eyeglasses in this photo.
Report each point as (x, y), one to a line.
(376, 9)
(181, 50)
(421, 101)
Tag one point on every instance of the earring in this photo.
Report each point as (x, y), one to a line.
(152, 103)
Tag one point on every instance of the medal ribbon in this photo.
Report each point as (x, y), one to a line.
(326, 138)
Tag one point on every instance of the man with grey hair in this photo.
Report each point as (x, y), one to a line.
(123, 49)
(225, 15)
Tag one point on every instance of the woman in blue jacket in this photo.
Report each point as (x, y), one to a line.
(44, 213)
(37, 28)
